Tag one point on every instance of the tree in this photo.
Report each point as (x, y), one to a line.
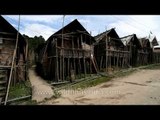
(33, 43)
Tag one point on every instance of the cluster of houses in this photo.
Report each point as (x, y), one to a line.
(72, 53)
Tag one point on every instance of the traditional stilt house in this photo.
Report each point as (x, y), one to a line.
(68, 54)
(156, 52)
(146, 56)
(8, 39)
(153, 42)
(109, 52)
(133, 45)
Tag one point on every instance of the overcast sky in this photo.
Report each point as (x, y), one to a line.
(46, 25)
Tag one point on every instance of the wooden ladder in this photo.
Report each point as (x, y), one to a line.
(3, 84)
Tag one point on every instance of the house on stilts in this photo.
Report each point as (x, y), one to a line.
(67, 55)
(154, 45)
(133, 45)
(146, 51)
(8, 40)
(109, 51)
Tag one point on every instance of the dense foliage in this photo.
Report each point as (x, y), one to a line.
(34, 42)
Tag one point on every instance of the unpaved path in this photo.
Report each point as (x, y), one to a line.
(40, 88)
(141, 87)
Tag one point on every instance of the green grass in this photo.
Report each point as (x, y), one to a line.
(120, 73)
(152, 66)
(28, 102)
(90, 83)
(94, 82)
(20, 90)
(107, 77)
(124, 73)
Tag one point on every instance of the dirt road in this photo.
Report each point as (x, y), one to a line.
(40, 88)
(140, 88)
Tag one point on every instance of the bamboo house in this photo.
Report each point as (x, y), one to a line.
(133, 45)
(109, 51)
(8, 40)
(68, 54)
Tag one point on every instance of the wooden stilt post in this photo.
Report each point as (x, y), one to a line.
(49, 70)
(130, 53)
(101, 61)
(114, 54)
(63, 51)
(117, 58)
(122, 59)
(68, 69)
(79, 56)
(13, 62)
(106, 50)
(73, 50)
(110, 59)
(90, 56)
(60, 65)
(84, 64)
(57, 65)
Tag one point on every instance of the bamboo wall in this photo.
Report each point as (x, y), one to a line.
(6, 54)
(68, 59)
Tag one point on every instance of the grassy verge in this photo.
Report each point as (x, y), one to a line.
(90, 83)
(152, 66)
(94, 82)
(123, 73)
(20, 90)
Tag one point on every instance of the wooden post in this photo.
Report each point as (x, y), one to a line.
(73, 50)
(13, 61)
(106, 51)
(130, 53)
(79, 68)
(62, 51)
(60, 65)
(114, 54)
(110, 59)
(84, 64)
(63, 65)
(124, 59)
(101, 62)
(57, 65)
(90, 55)
(117, 58)
(50, 68)
(65, 69)
(68, 69)
(26, 60)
